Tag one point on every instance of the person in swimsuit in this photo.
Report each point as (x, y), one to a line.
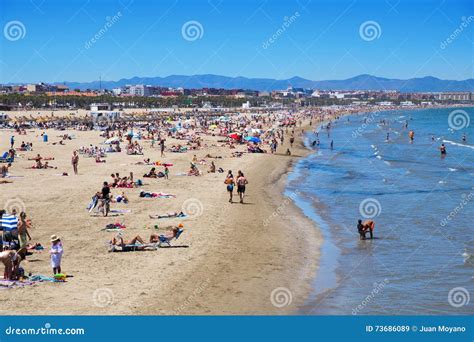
(23, 234)
(105, 198)
(75, 161)
(442, 149)
(364, 227)
(241, 183)
(229, 180)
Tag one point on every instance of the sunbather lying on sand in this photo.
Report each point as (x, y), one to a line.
(145, 194)
(39, 165)
(137, 243)
(169, 215)
(119, 241)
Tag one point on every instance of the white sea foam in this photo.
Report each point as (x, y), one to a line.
(458, 144)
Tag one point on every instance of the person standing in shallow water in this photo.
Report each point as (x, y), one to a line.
(241, 184)
(442, 149)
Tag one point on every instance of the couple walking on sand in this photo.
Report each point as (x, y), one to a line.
(241, 183)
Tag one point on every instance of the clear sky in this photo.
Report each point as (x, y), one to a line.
(50, 40)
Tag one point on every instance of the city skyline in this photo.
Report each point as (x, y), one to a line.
(47, 42)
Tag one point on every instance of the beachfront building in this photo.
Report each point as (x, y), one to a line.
(455, 96)
(100, 107)
(103, 114)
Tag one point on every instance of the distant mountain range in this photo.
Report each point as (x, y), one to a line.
(361, 82)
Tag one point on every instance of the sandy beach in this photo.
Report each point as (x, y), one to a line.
(228, 260)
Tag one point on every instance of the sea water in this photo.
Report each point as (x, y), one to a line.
(422, 258)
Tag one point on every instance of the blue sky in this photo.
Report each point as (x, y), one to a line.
(322, 39)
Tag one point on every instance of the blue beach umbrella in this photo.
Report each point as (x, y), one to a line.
(253, 139)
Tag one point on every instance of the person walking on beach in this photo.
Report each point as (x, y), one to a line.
(12, 142)
(241, 183)
(229, 181)
(56, 252)
(75, 161)
(292, 140)
(106, 198)
(162, 147)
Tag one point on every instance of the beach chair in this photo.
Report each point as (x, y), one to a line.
(4, 158)
(167, 241)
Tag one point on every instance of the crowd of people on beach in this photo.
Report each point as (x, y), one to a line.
(272, 134)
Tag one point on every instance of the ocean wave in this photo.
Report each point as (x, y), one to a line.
(458, 144)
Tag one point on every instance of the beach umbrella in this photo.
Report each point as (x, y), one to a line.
(112, 140)
(253, 139)
(235, 136)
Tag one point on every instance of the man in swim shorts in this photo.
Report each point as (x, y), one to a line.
(241, 183)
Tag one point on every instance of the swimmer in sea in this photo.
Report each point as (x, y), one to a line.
(442, 149)
(464, 139)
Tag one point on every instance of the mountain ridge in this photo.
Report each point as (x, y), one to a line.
(359, 82)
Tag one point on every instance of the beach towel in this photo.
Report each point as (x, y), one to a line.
(9, 284)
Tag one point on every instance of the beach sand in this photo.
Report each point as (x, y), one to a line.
(228, 260)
